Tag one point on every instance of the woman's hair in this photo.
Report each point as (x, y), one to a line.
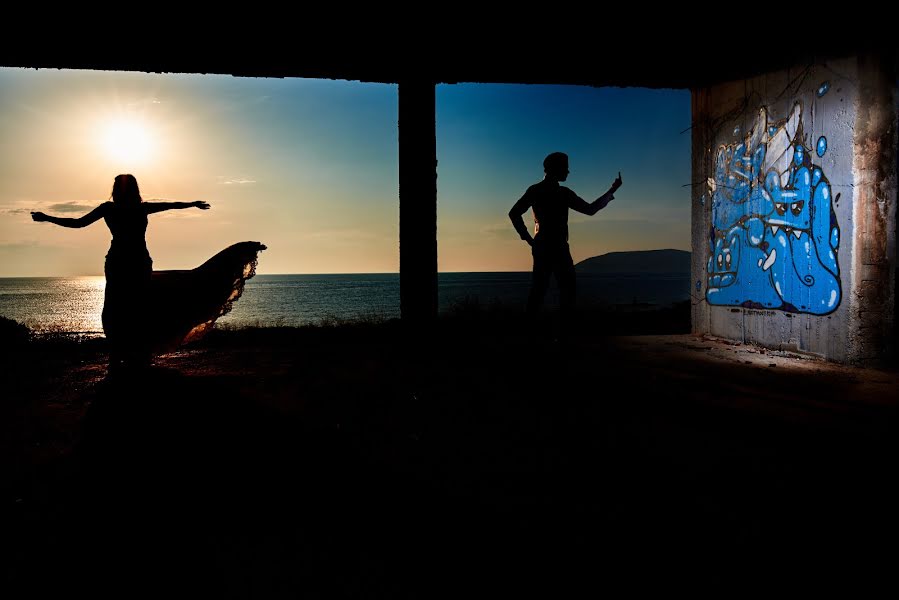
(125, 190)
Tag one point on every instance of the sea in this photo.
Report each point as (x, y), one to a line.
(74, 304)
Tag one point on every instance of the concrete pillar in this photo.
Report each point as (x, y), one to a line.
(794, 217)
(418, 202)
(700, 215)
(872, 303)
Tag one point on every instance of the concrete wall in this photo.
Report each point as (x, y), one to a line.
(794, 209)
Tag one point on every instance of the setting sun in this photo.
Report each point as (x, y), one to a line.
(127, 141)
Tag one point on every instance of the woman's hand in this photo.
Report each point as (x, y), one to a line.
(38, 216)
(201, 205)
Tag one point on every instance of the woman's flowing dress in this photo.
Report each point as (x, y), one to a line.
(149, 312)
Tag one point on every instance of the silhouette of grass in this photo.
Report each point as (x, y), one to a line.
(467, 316)
(13, 334)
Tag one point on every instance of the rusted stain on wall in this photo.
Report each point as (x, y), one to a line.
(872, 315)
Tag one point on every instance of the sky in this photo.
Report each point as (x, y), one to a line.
(491, 142)
(309, 168)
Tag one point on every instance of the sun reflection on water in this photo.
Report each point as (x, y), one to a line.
(55, 304)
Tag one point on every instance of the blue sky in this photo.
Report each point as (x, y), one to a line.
(491, 143)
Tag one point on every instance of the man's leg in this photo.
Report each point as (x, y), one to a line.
(565, 277)
(539, 280)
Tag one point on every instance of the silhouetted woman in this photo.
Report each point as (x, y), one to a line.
(145, 311)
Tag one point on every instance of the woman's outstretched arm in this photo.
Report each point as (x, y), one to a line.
(155, 207)
(91, 217)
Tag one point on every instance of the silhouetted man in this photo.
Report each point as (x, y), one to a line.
(549, 245)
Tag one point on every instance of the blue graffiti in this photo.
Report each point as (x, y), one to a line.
(734, 267)
(774, 240)
(823, 88)
(735, 190)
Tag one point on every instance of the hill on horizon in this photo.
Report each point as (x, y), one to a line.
(666, 261)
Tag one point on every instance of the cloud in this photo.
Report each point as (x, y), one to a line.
(504, 229)
(15, 246)
(19, 206)
(70, 207)
(581, 219)
(235, 180)
(143, 102)
(341, 236)
(653, 221)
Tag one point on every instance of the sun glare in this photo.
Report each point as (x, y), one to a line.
(127, 141)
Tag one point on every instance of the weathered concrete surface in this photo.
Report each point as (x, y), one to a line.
(872, 303)
(841, 116)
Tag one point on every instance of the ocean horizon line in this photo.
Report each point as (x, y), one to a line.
(75, 303)
(266, 274)
(528, 271)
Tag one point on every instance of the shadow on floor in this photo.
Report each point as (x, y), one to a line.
(475, 467)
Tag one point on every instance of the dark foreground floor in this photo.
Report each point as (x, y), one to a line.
(331, 464)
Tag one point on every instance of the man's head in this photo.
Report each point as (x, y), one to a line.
(555, 166)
